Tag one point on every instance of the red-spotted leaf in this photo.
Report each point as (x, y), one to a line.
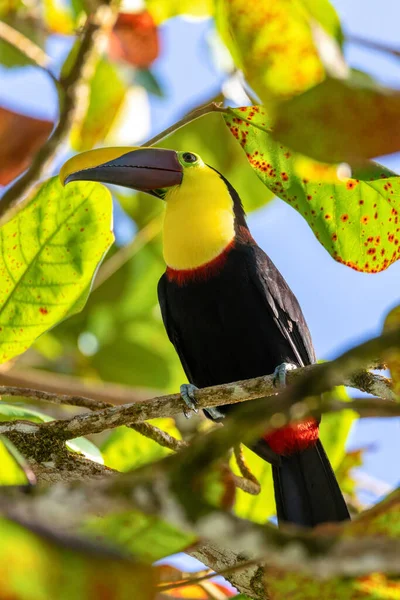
(20, 138)
(134, 39)
(355, 218)
(280, 45)
(341, 120)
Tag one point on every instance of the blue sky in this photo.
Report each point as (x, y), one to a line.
(342, 307)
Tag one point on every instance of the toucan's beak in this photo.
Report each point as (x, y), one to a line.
(145, 169)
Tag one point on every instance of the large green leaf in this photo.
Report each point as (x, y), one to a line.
(127, 449)
(355, 218)
(49, 253)
(274, 42)
(107, 93)
(65, 568)
(341, 120)
(335, 428)
(12, 412)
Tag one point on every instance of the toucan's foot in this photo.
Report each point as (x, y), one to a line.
(281, 372)
(187, 393)
(214, 414)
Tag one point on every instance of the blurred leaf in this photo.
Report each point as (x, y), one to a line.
(274, 43)
(12, 412)
(58, 17)
(65, 568)
(20, 138)
(281, 585)
(145, 78)
(14, 468)
(165, 9)
(222, 154)
(355, 218)
(344, 474)
(261, 507)
(146, 537)
(335, 428)
(392, 355)
(26, 23)
(134, 39)
(126, 449)
(341, 120)
(107, 93)
(56, 227)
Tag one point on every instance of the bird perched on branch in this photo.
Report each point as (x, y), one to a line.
(226, 308)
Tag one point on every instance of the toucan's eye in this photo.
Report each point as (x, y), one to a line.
(188, 157)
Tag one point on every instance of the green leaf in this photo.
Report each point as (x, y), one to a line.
(261, 507)
(146, 537)
(166, 9)
(355, 218)
(10, 56)
(341, 120)
(107, 93)
(66, 568)
(50, 251)
(335, 428)
(273, 43)
(12, 412)
(126, 449)
(392, 355)
(14, 469)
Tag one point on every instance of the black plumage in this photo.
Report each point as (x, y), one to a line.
(240, 321)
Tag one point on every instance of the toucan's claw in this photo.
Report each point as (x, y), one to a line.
(281, 372)
(214, 414)
(187, 393)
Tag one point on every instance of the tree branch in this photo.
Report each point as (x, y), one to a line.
(24, 45)
(192, 116)
(72, 97)
(373, 45)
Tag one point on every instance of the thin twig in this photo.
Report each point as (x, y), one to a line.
(24, 45)
(361, 41)
(252, 484)
(72, 98)
(192, 116)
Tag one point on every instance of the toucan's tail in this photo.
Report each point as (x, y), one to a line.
(306, 490)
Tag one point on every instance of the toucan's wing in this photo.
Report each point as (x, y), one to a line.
(284, 307)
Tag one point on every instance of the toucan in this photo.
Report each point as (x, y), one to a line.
(226, 308)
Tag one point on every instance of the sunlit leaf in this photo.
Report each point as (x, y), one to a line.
(57, 17)
(14, 468)
(20, 138)
(274, 43)
(11, 412)
(49, 253)
(65, 568)
(355, 218)
(127, 449)
(335, 428)
(134, 39)
(146, 537)
(341, 120)
(165, 9)
(392, 356)
(261, 507)
(107, 93)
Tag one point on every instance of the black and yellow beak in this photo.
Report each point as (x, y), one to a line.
(150, 170)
